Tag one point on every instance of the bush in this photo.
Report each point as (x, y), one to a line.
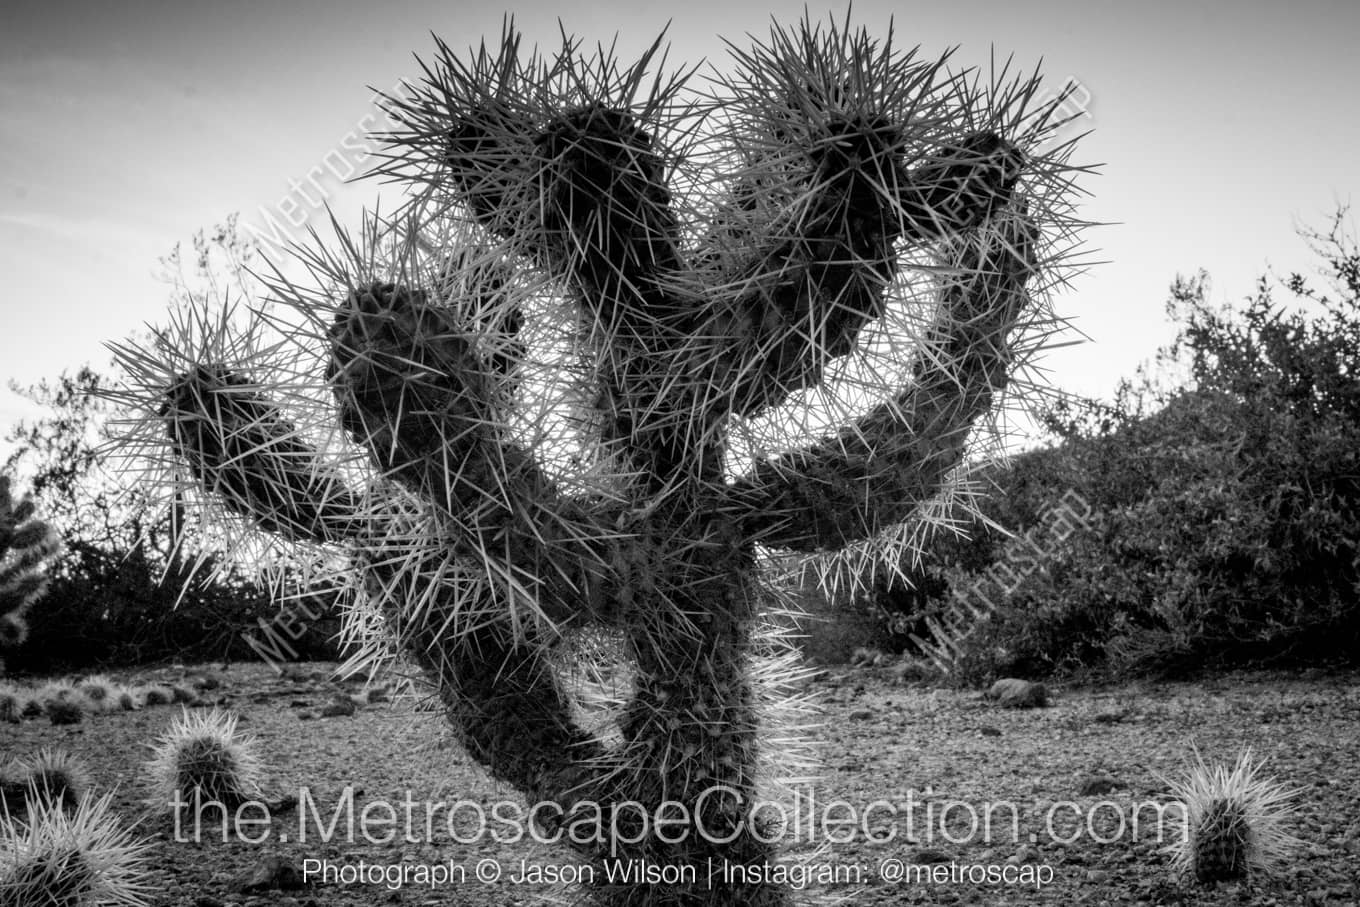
(1224, 525)
(105, 608)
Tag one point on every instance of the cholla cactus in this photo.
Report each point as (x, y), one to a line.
(624, 335)
(26, 545)
(1234, 822)
(80, 858)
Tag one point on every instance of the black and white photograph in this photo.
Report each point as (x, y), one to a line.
(725, 455)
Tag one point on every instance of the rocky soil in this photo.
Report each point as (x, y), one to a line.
(1091, 759)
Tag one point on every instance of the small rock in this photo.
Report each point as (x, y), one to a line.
(1013, 693)
(1097, 875)
(205, 680)
(1098, 785)
(273, 873)
(284, 804)
(910, 669)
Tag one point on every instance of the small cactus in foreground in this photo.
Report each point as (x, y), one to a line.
(1234, 822)
(81, 858)
(202, 759)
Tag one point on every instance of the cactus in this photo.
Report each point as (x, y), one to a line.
(27, 544)
(562, 372)
(99, 690)
(77, 858)
(124, 699)
(202, 759)
(155, 694)
(1234, 822)
(53, 776)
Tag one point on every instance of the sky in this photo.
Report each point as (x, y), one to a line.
(1220, 126)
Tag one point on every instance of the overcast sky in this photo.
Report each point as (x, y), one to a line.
(124, 127)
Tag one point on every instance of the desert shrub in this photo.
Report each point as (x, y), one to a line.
(110, 608)
(1224, 523)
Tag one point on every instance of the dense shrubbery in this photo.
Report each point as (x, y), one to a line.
(1224, 523)
(109, 607)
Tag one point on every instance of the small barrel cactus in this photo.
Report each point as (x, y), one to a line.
(78, 858)
(99, 691)
(155, 694)
(65, 711)
(1235, 822)
(53, 776)
(203, 759)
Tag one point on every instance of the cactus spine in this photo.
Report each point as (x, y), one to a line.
(673, 273)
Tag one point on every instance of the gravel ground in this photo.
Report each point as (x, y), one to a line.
(1091, 758)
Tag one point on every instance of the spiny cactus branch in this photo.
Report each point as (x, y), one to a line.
(875, 472)
(243, 451)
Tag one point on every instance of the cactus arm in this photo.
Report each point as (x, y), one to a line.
(958, 187)
(240, 448)
(416, 393)
(501, 695)
(570, 179)
(820, 265)
(602, 221)
(874, 473)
